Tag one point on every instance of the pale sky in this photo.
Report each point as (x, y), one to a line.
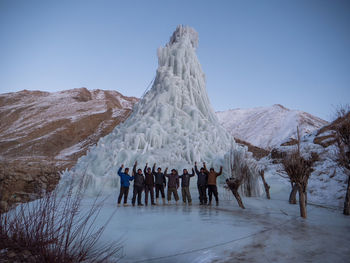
(254, 53)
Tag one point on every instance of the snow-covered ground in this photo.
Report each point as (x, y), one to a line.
(268, 127)
(266, 231)
(327, 183)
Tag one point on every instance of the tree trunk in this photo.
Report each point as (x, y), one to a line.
(347, 200)
(302, 203)
(266, 186)
(238, 198)
(293, 194)
(234, 189)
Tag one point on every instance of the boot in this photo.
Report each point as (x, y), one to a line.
(163, 201)
(157, 201)
(189, 203)
(209, 203)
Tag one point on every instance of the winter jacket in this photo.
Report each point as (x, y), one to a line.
(173, 180)
(159, 177)
(202, 177)
(149, 179)
(212, 177)
(185, 179)
(139, 179)
(124, 178)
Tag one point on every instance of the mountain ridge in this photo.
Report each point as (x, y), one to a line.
(268, 126)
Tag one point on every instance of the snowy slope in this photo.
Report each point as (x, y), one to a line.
(173, 125)
(268, 127)
(328, 181)
(60, 125)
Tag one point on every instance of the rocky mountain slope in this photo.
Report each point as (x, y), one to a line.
(61, 125)
(42, 133)
(268, 127)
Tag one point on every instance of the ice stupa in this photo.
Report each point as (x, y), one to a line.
(173, 125)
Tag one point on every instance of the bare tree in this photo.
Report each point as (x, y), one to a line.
(241, 173)
(266, 186)
(342, 128)
(298, 170)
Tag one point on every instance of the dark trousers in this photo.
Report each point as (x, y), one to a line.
(138, 193)
(123, 191)
(202, 190)
(185, 190)
(172, 190)
(149, 189)
(212, 189)
(160, 188)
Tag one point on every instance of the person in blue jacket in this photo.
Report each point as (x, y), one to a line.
(125, 179)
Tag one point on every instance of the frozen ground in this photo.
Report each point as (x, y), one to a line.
(266, 231)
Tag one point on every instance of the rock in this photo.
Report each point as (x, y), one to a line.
(3, 206)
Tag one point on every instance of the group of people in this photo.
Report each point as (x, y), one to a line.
(151, 180)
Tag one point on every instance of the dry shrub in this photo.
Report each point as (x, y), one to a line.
(54, 229)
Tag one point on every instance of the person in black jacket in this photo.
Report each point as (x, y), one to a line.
(185, 186)
(202, 182)
(160, 183)
(139, 184)
(149, 184)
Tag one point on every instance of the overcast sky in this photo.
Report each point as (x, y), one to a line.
(254, 53)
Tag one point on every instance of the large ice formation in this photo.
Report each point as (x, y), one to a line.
(173, 125)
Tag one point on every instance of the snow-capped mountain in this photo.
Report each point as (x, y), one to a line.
(58, 126)
(268, 127)
(173, 125)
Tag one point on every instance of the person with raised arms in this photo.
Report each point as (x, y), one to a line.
(202, 182)
(149, 184)
(212, 189)
(173, 184)
(185, 186)
(139, 184)
(125, 179)
(160, 183)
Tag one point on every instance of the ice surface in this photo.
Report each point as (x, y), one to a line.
(266, 231)
(173, 125)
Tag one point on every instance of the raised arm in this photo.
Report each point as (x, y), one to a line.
(166, 172)
(219, 173)
(195, 167)
(144, 170)
(120, 171)
(153, 169)
(191, 175)
(134, 169)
